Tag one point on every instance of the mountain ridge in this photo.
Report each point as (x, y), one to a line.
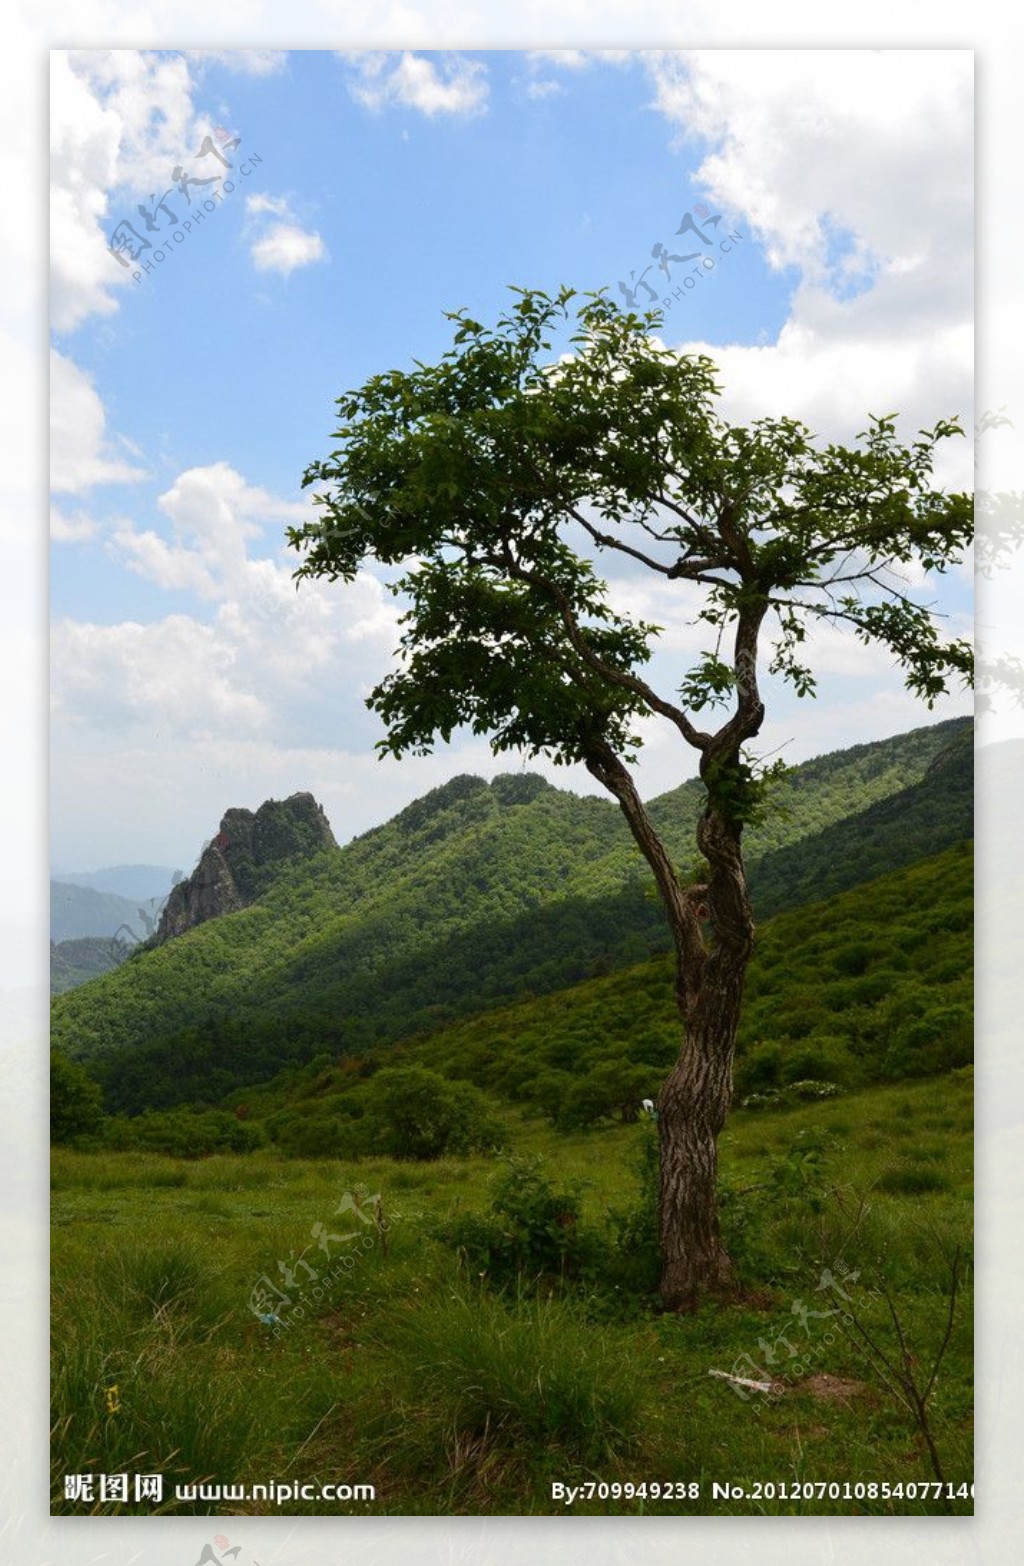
(461, 901)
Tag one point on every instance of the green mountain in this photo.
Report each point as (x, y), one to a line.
(894, 831)
(75, 962)
(471, 896)
(871, 985)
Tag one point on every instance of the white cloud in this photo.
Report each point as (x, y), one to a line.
(449, 84)
(242, 62)
(122, 121)
(150, 96)
(213, 513)
(855, 168)
(288, 666)
(833, 383)
(75, 529)
(80, 456)
(578, 59)
(264, 659)
(285, 247)
(543, 88)
(84, 142)
(875, 142)
(171, 676)
(256, 205)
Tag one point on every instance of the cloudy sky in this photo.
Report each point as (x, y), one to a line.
(349, 201)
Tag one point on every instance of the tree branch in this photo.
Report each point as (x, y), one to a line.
(609, 541)
(684, 905)
(628, 682)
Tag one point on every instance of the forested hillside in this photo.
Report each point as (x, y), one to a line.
(472, 896)
(873, 985)
(77, 961)
(896, 830)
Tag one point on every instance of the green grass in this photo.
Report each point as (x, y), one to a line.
(413, 1376)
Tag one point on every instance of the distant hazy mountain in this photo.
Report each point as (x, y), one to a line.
(137, 882)
(77, 911)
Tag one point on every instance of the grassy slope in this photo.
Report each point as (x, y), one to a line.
(463, 900)
(872, 985)
(449, 1401)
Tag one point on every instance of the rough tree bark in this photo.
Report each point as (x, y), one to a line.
(712, 927)
(694, 1100)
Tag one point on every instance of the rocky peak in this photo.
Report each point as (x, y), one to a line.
(235, 866)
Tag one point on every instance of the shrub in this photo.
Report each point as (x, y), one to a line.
(76, 1101)
(759, 1070)
(415, 1113)
(185, 1133)
(312, 1136)
(612, 1088)
(531, 1230)
(821, 1059)
(636, 1254)
(758, 1221)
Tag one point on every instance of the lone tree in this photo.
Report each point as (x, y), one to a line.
(496, 478)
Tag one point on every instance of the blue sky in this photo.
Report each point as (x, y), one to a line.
(392, 187)
(417, 216)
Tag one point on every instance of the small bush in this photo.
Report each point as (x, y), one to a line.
(415, 1113)
(757, 1220)
(531, 1231)
(759, 1071)
(184, 1133)
(76, 1102)
(636, 1255)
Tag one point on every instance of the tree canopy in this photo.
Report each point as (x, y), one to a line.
(498, 478)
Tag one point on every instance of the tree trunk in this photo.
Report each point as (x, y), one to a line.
(692, 1109)
(694, 1101)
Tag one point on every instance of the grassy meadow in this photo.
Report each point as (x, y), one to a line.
(452, 1387)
